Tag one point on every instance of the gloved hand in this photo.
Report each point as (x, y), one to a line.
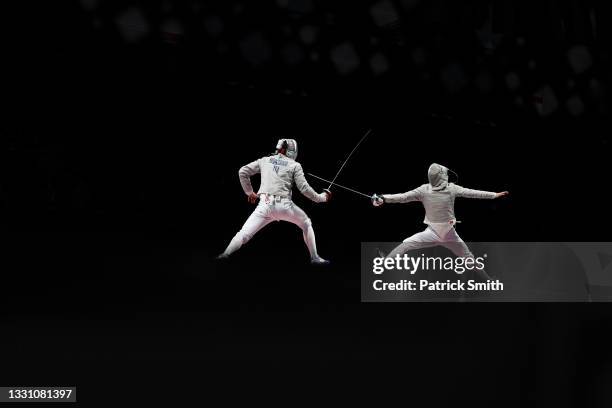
(328, 194)
(377, 200)
(502, 194)
(253, 198)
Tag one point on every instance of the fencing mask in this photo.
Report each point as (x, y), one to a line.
(438, 176)
(290, 145)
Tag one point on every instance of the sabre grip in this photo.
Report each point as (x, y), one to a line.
(328, 192)
(377, 200)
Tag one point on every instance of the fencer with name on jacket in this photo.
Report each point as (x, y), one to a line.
(438, 198)
(279, 172)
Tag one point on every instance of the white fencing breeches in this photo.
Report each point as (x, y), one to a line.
(429, 238)
(269, 210)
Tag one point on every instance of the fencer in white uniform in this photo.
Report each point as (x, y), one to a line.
(279, 172)
(438, 198)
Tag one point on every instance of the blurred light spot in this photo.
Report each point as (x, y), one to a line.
(308, 34)
(512, 81)
(345, 58)
(255, 49)
(520, 41)
(453, 77)
(213, 25)
(531, 64)
(575, 106)
(488, 39)
(132, 25)
(546, 101)
(379, 64)
(579, 58)
(384, 13)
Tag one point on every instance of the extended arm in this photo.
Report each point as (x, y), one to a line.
(407, 197)
(478, 194)
(412, 195)
(305, 189)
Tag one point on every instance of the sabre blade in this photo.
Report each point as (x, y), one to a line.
(339, 185)
(347, 159)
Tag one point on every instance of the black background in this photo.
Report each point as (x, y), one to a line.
(121, 186)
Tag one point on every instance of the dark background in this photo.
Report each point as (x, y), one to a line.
(120, 158)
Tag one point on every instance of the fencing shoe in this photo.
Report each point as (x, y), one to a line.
(319, 261)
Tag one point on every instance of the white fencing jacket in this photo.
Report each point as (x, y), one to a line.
(439, 204)
(278, 174)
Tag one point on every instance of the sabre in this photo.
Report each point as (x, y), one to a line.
(347, 159)
(339, 185)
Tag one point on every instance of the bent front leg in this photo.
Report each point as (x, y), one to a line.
(297, 216)
(421, 240)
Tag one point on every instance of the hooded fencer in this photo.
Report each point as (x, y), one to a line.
(279, 172)
(438, 198)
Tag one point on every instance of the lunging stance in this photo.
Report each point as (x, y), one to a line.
(279, 172)
(438, 198)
